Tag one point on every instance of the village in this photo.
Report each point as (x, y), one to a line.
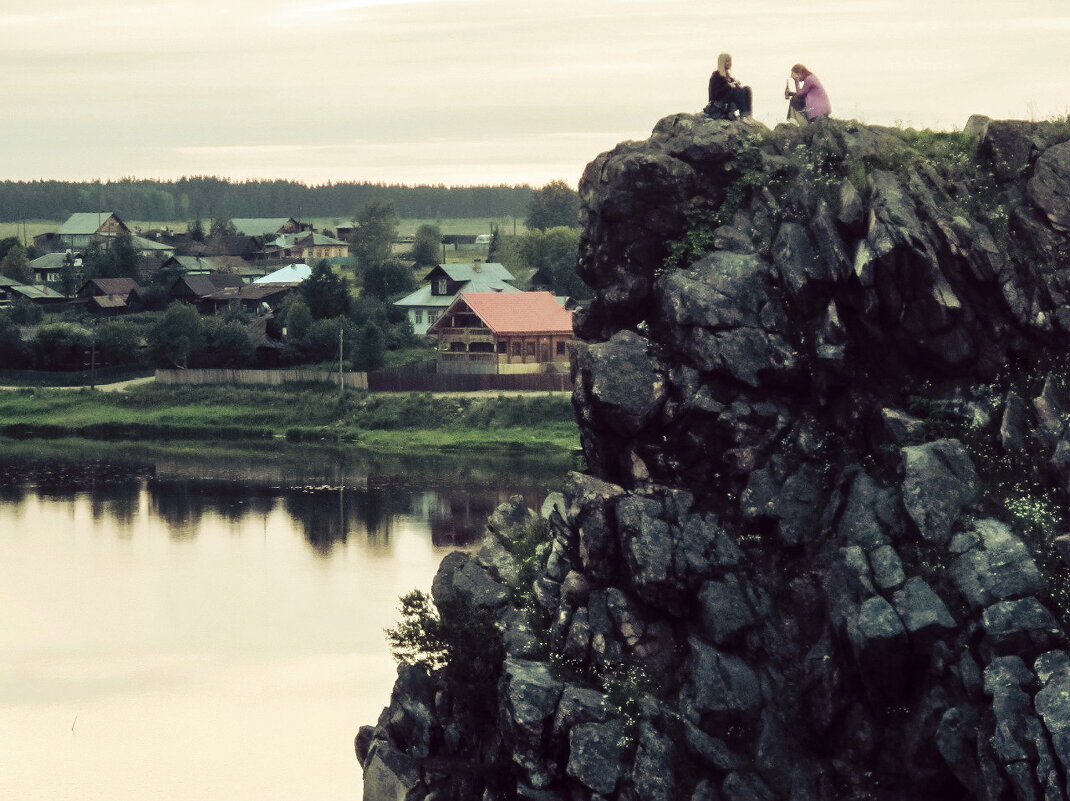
(262, 297)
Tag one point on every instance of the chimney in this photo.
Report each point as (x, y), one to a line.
(477, 265)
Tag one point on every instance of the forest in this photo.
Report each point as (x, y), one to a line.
(210, 197)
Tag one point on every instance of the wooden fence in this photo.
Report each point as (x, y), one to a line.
(263, 377)
(458, 382)
(380, 381)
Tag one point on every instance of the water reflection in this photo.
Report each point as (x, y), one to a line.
(332, 495)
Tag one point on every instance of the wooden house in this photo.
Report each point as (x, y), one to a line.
(444, 282)
(252, 298)
(48, 268)
(191, 288)
(267, 227)
(306, 247)
(111, 295)
(81, 228)
(484, 331)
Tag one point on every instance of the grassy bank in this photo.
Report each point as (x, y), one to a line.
(396, 423)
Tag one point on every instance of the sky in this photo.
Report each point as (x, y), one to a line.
(477, 91)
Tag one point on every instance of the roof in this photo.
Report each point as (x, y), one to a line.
(467, 272)
(37, 292)
(260, 226)
(52, 261)
(306, 239)
(108, 301)
(289, 274)
(519, 313)
(114, 286)
(85, 222)
(231, 245)
(423, 296)
(141, 243)
(202, 285)
(249, 292)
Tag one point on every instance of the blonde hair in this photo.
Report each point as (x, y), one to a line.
(723, 59)
(799, 68)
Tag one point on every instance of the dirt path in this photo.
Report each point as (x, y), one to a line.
(118, 386)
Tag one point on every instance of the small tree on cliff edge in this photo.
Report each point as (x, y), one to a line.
(554, 205)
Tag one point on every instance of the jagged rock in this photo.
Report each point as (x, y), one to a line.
(725, 612)
(901, 427)
(716, 309)
(590, 502)
(390, 774)
(652, 773)
(1011, 146)
(720, 682)
(624, 384)
(1062, 543)
(1014, 427)
(580, 705)
(939, 480)
(746, 787)
(780, 613)
(1023, 626)
(879, 641)
(531, 695)
(1049, 188)
(921, 610)
(869, 515)
(594, 754)
(887, 567)
(997, 567)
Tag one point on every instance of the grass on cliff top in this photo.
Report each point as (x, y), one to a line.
(393, 422)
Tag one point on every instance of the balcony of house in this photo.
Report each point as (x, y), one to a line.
(467, 357)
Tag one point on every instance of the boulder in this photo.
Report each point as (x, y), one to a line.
(1049, 188)
(390, 775)
(938, 481)
(595, 751)
(719, 682)
(1024, 627)
(998, 567)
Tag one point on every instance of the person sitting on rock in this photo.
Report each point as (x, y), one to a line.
(726, 93)
(809, 100)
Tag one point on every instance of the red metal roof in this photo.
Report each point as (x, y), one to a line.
(520, 312)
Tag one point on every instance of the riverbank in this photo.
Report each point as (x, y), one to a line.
(389, 423)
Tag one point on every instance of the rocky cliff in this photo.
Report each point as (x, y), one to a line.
(820, 551)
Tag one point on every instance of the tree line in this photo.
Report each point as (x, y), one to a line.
(210, 197)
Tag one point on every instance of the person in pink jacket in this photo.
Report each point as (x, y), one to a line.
(809, 95)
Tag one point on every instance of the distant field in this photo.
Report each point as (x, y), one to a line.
(407, 227)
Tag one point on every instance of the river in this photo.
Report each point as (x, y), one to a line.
(206, 624)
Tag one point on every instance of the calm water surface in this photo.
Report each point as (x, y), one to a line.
(203, 626)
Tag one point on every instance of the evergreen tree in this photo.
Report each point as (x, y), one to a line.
(196, 230)
(369, 350)
(69, 275)
(15, 265)
(325, 292)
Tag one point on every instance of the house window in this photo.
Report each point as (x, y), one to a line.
(516, 348)
(501, 347)
(441, 283)
(431, 317)
(529, 348)
(560, 348)
(51, 277)
(418, 317)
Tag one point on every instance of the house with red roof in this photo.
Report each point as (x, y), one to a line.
(489, 332)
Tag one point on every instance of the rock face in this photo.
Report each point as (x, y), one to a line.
(816, 554)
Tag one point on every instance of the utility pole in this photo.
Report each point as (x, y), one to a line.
(341, 378)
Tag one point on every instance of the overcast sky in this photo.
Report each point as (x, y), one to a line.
(477, 91)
